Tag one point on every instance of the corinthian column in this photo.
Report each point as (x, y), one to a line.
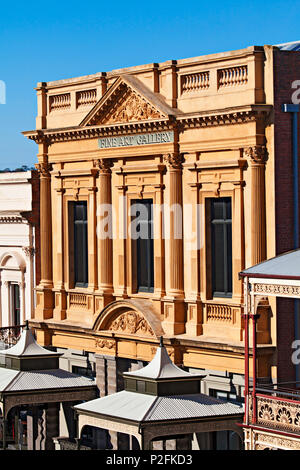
(45, 224)
(174, 308)
(256, 159)
(104, 231)
(44, 294)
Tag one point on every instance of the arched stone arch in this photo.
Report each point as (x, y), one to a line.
(134, 316)
(13, 260)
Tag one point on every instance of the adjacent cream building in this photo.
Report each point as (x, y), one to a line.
(19, 217)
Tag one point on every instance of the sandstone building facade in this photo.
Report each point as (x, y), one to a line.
(205, 137)
(19, 253)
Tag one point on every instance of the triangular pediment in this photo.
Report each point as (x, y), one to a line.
(128, 100)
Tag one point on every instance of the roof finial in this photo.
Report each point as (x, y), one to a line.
(161, 342)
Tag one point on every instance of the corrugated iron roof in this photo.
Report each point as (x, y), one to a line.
(6, 377)
(41, 379)
(289, 46)
(190, 406)
(141, 407)
(124, 404)
(284, 266)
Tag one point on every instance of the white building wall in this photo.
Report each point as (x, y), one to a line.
(16, 245)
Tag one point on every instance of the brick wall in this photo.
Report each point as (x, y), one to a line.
(286, 70)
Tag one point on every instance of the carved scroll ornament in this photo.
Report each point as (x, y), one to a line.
(104, 343)
(132, 323)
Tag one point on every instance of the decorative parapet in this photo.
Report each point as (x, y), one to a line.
(233, 76)
(78, 300)
(60, 102)
(86, 98)
(219, 313)
(194, 82)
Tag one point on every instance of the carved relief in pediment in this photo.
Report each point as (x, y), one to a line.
(132, 323)
(129, 108)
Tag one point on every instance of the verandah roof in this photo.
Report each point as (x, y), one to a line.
(284, 266)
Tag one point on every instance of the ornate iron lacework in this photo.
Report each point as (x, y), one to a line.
(276, 289)
(278, 414)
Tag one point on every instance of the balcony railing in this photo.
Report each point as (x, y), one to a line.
(9, 335)
(277, 406)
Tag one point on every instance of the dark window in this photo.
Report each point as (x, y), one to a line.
(15, 303)
(226, 440)
(80, 244)
(85, 371)
(221, 246)
(144, 246)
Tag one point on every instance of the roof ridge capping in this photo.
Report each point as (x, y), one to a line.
(161, 367)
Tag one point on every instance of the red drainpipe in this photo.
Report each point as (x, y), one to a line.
(246, 319)
(254, 318)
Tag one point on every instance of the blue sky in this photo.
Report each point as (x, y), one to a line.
(43, 41)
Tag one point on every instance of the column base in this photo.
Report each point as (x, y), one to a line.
(44, 303)
(102, 299)
(173, 323)
(60, 305)
(194, 324)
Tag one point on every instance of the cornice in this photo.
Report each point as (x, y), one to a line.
(92, 132)
(227, 116)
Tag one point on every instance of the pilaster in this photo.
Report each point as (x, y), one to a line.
(173, 302)
(257, 157)
(44, 308)
(104, 232)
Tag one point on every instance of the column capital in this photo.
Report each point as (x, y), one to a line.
(29, 251)
(44, 169)
(173, 160)
(104, 165)
(256, 153)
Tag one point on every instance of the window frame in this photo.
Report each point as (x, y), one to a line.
(136, 247)
(73, 241)
(227, 247)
